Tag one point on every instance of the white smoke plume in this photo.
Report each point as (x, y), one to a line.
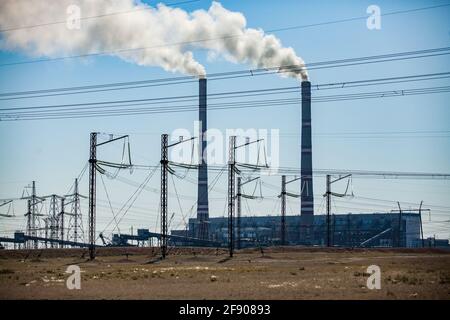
(168, 34)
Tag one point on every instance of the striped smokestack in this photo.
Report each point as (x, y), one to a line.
(202, 194)
(306, 186)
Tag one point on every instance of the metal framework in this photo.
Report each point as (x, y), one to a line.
(54, 217)
(28, 215)
(46, 227)
(61, 223)
(283, 210)
(62, 226)
(328, 195)
(421, 225)
(398, 232)
(6, 202)
(232, 188)
(239, 196)
(93, 167)
(75, 230)
(33, 215)
(283, 206)
(92, 193)
(231, 191)
(164, 186)
(239, 210)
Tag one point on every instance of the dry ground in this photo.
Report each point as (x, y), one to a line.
(275, 273)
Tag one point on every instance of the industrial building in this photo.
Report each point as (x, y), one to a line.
(347, 230)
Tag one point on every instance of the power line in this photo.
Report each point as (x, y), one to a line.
(293, 171)
(217, 38)
(229, 75)
(356, 18)
(130, 201)
(245, 93)
(113, 111)
(318, 134)
(316, 87)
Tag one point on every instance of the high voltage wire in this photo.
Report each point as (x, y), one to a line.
(130, 182)
(365, 203)
(133, 197)
(113, 111)
(102, 53)
(256, 92)
(365, 173)
(344, 134)
(402, 202)
(225, 75)
(320, 172)
(382, 132)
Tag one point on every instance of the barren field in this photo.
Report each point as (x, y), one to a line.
(275, 273)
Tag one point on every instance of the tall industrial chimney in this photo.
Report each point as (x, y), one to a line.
(202, 194)
(306, 186)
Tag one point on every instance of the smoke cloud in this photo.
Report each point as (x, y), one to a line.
(170, 35)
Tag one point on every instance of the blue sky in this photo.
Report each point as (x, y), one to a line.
(53, 152)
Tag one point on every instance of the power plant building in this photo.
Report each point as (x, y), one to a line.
(348, 230)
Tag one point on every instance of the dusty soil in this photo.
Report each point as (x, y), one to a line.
(275, 273)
